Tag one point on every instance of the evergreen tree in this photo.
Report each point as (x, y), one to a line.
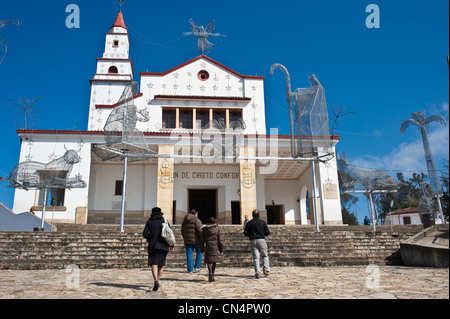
(347, 201)
(348, 217)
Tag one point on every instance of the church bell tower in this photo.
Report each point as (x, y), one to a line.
(114, 71)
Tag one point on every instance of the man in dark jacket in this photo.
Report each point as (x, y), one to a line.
(191, 229)
(257, 230)
(157, 246)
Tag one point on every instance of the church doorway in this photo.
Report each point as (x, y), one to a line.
(236, 213)
(275, 214)
(204, 201)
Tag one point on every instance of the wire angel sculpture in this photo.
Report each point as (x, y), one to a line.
(26, 118)
(203, 45)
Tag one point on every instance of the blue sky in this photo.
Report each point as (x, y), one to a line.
(382, 75)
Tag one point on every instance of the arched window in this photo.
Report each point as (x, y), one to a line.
(113, 70)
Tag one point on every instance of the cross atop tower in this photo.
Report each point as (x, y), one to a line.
(121, 2)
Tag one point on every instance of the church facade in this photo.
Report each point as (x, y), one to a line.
(181, 108)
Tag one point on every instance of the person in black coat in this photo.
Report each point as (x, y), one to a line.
(157, 246)
(257, 230)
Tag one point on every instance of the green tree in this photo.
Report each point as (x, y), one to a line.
(347, 201)
(407, 195)
(348, 217)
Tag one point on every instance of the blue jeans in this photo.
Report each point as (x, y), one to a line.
(190, 260)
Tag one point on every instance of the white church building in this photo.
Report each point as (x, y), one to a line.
(179, 103)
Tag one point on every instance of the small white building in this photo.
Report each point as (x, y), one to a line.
(181, 101)
(407, 216)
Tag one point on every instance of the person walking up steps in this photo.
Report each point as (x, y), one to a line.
(257, 230)
(211, 244)
(157, 246)
(191, 231)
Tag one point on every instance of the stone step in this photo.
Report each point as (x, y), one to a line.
(98, 246)
(238, 254)
(132, 238)
(239, 229)
(230, 255)
(235, 230)
(29, 264)
(236, 248)
(88, 242)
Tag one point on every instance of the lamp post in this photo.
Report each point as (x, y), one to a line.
(315, 197)
(124, 189)
(44, 206)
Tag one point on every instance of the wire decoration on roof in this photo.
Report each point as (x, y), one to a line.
(37, 175)
(308, 117)
(121, 135)
(4, 47)
(355, 179)
(337, 118)
(203, 45)
(27, 117)
(47, 177)
(54, 174)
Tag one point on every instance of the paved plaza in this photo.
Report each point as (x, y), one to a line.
(360, 282)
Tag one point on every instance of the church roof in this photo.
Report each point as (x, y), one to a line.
(210, 60)
(119, 22)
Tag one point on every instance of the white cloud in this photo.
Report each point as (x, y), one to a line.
(438, 109)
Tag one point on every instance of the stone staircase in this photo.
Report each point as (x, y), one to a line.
(102, 246)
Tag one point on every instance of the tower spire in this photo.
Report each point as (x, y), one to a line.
(119, 22)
